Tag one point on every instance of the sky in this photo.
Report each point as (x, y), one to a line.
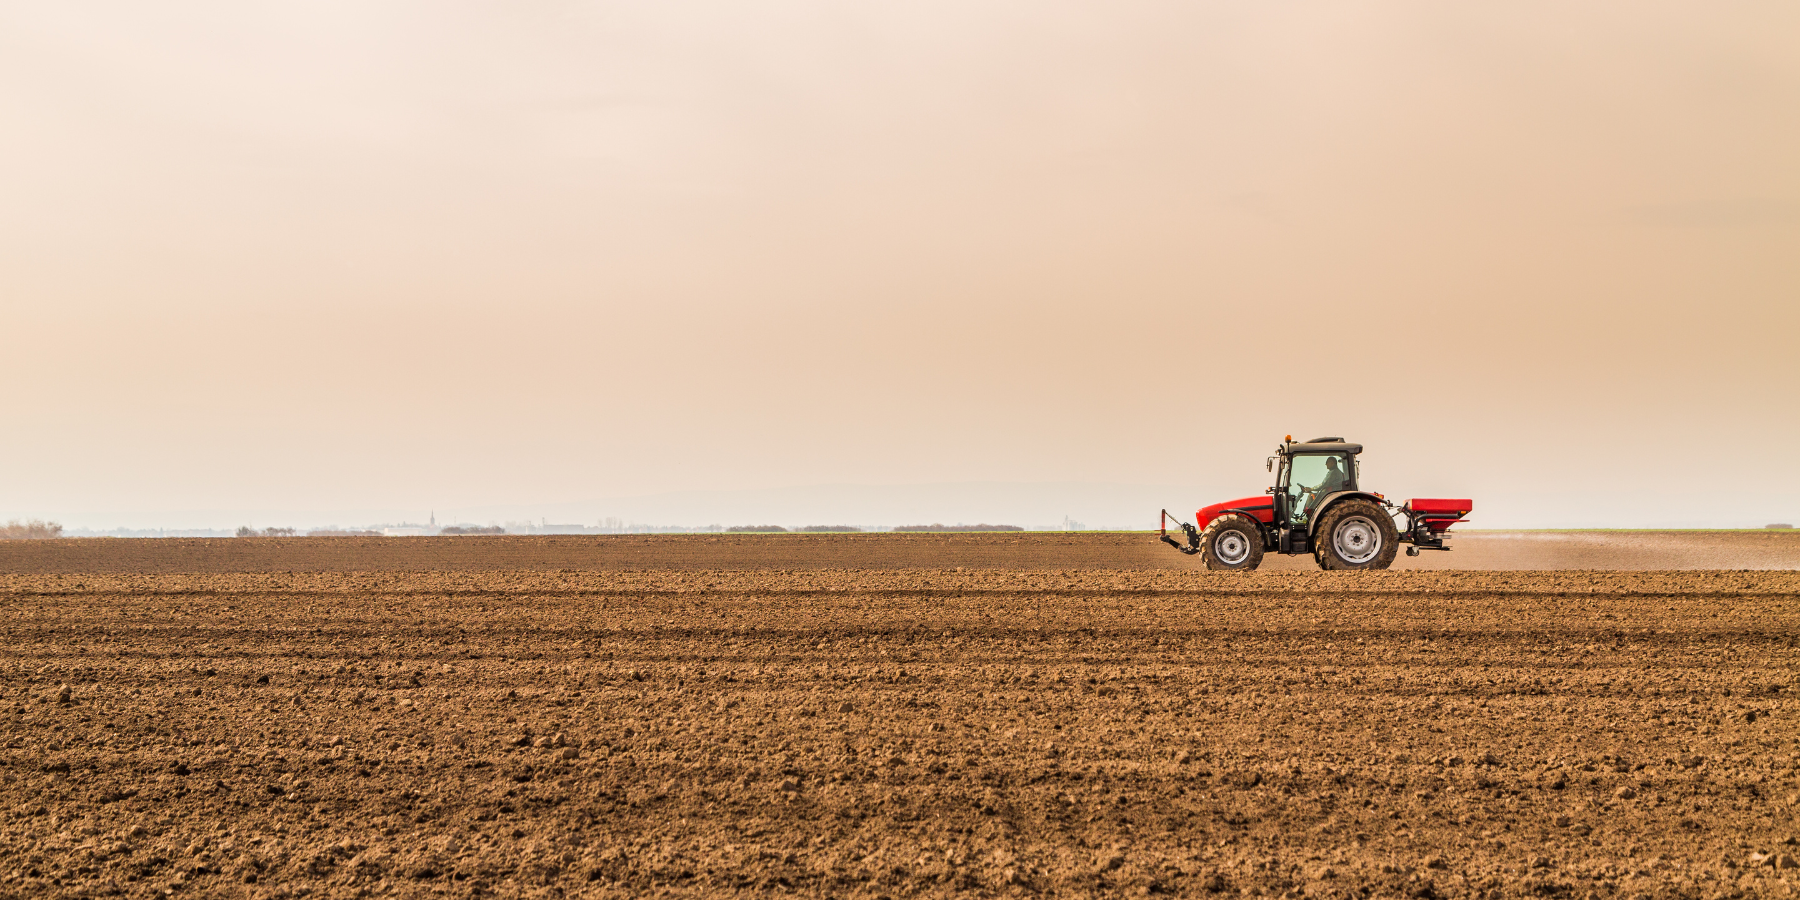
(344, 262)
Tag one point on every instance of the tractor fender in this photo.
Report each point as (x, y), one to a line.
(1333, 498)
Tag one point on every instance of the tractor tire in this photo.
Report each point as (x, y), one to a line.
(1355, 535)
(1231, 543)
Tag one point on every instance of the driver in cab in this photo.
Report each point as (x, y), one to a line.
(1333, 481)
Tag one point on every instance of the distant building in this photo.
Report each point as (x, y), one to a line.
(408, 531)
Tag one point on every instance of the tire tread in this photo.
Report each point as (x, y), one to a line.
(1236, 521)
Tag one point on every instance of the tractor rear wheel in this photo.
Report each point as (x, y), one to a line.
(1356, 534)
(1231, 543)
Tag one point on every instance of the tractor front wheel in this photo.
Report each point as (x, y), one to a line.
(1231, 543)
(1356, 534)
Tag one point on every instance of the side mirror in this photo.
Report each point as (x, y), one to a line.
(1271, 465)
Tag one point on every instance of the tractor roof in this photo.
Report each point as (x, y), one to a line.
(1325, 446)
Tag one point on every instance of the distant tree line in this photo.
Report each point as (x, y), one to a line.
(340, 532)
(755, 529)
(29, 531)
(247, 531)
(472, 529)
(941, 527)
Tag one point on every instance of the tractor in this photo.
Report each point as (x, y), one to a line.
(1317, 507)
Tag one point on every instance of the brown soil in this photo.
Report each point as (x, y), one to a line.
(900, 731)
(1631, 550)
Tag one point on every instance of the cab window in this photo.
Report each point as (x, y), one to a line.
(1311, 478)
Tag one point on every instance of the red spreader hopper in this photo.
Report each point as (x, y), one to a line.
(1438, 514)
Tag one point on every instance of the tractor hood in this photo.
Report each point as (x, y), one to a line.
(1261, 508)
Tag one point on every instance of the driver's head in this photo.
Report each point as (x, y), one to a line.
(1331, 463)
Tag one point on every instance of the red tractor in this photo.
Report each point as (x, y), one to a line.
(1316, 507)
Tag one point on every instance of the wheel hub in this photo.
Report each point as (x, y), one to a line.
(1356, 540)
(1231, 548)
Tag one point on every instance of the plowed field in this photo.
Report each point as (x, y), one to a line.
(899, 732)
(1531, 550)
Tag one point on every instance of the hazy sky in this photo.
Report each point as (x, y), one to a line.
(323, 257)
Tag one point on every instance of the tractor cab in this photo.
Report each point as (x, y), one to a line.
(1308, 474)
